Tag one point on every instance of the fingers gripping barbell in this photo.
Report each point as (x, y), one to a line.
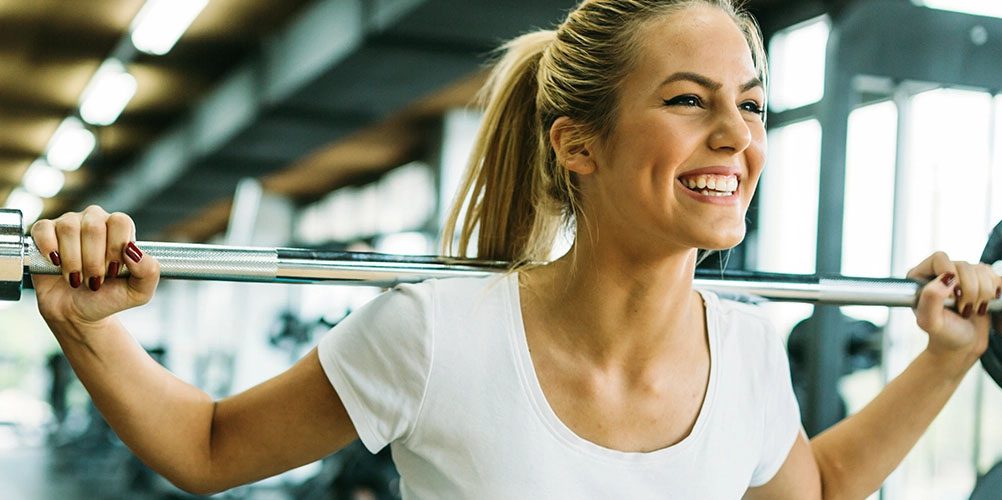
(19, 257)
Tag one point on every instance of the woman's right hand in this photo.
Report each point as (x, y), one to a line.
(91, 247)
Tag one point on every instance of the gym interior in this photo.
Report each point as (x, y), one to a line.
(346, 124)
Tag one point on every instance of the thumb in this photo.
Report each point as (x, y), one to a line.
(930, 311)
(144, 273)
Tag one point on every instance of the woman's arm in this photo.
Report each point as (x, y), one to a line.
(853, 458)
(199, 444)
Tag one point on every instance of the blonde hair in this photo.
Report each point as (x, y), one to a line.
(515, 195)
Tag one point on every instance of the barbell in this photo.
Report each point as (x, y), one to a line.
(19, 258)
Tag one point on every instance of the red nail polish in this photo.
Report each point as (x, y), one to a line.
(113, 269)
(998, 293)
(75, 280)
(134, 252)
(94, 283)
(968, 311)
(983, 309)
(948, 279)
(54, 257)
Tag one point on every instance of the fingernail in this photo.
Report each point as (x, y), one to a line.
(113, 269)
(54, 257)
(134, 252)
(75, 280)
(948, 279)
(94, 283)
(983, 309)
(968, 311)
(998, 293)
(958, 292)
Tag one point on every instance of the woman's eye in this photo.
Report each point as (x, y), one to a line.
(684, 100)
(753, 107)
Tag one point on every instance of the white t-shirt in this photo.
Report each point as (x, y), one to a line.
(441, 372)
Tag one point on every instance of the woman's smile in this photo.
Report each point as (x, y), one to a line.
(714, 185)
(711, 196)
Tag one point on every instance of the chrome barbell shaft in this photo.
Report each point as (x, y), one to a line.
(289, 265)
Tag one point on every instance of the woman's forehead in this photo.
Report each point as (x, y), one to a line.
(699, 39)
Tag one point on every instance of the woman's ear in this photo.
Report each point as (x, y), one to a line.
(572, 154)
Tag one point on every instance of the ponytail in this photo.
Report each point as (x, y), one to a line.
(502, 191)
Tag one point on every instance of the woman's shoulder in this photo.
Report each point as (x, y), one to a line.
(736, 311)
(451, 293)
(742, 322)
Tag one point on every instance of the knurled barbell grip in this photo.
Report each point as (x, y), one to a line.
(186, 261)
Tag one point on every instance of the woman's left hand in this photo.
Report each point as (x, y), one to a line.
(960, 334)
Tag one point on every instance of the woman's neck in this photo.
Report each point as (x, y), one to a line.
(617, 310)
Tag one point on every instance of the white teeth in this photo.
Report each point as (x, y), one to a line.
(707, 192)
(726, 184)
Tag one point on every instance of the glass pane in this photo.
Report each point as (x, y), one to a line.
(797, 64)
(788, 199)
(948, 175)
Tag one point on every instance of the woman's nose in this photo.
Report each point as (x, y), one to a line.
(730, 132)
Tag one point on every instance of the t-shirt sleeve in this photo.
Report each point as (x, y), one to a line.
(782, 413)
(378, 359)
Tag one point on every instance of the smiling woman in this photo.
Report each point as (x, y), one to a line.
(602, 374)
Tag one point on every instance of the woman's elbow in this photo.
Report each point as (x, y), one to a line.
(194, 486)
(198, 483)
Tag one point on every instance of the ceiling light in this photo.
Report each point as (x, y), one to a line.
(43, 180)
(160, 24)
(976, 7)
(70, 145)
(29, 205)
(108, 92)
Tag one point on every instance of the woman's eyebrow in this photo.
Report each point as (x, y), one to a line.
(754, 82)
(707, 82)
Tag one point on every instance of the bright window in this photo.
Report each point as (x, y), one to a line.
(788, 199)
(797, 65)
(991, 8)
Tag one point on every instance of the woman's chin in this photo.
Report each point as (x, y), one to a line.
(723, 240)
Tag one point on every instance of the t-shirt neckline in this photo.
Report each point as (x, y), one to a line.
(564, 434)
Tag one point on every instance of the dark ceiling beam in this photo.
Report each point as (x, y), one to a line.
(71, 47)
(11, 106)
(779, 16)
(16, 155)
(440, 45)
(14, 108)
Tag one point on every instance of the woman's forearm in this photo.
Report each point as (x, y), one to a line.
(165, 421)
(856, 455)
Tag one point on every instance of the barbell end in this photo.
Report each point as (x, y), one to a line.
(11, 254)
